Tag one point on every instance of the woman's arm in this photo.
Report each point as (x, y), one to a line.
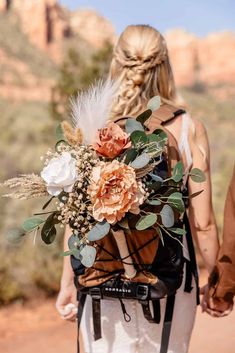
(68, 292)
(67, 273)
(201, 214)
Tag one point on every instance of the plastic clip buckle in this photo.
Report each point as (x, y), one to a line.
(95, 293)
(142, 292)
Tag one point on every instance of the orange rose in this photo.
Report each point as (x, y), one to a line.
(114, 191)
(111, 141)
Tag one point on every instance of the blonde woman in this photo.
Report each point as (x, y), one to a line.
(141, 62)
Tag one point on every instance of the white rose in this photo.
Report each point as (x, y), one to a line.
(60, 174)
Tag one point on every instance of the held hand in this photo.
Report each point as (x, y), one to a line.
(66, 303)
(214, 307)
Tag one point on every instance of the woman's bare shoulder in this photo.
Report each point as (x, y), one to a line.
(197, 130)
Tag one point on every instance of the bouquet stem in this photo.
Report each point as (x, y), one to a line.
(130, 271)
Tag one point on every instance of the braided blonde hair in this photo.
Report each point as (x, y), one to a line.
(142, 65)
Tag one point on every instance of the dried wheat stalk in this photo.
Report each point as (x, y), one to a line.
(29, 186)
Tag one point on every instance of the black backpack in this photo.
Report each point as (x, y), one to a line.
(168, 264)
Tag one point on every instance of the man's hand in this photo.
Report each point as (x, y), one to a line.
(213, 306)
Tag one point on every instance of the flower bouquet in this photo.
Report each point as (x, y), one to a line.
(98, 174)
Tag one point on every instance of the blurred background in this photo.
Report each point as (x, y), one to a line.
(51, 49)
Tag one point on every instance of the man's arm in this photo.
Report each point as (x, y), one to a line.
(222, 279)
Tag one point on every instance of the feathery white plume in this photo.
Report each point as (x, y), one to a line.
(91, 108)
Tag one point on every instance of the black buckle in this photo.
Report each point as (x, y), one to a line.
(142, 292)
(95, 293)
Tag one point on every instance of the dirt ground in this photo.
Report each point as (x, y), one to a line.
(38, 328)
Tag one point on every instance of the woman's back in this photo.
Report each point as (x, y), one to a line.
(141, 65)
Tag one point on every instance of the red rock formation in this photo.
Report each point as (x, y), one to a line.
(216, 55)
(92, 27)
(44, 21)
(47, 23)
(29, 87)
(207, 60)
(183, 54)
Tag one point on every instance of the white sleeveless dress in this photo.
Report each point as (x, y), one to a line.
(140, 336)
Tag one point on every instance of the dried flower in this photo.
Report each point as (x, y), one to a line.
(111, 141)
(74, 137)
(114, 191)
(29, 186)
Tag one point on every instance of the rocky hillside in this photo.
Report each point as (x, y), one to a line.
(46, 29)
(206, 60)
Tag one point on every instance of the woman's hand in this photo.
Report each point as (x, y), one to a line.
(67, 295)
(214, 307)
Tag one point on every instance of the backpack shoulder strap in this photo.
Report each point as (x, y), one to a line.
(159, 118)
(167, 112)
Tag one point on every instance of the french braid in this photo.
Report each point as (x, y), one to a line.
(141, 63)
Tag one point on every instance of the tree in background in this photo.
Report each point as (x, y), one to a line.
(77, 73)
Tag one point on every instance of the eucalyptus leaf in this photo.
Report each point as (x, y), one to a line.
(32, 223)
(144, 116)
(14, 235)
(48, 232)
(153, 138)
(73, 242)
(156, 185)
(154, 103)
(77, 253)
(167, 216)
(98, 231)
(162, 135)
(66, 253)
(146, 221)
(154, 202)
(195, 194)
(141, 161)
(138, 137)
(133, 125)
(176, 201)
(88, 255)
(130, 155)
(156, 177)
(160, 235)
(59, 132)
(179, 231)
(178, 172)
(197, 175)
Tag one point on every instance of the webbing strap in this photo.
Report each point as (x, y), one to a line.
(96, 318)
(156, 311)
(188, 277)
(82, 299)
(166, 330)
(193, 262)
(156, 317)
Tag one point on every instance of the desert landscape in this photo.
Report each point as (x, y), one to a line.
(47, 53)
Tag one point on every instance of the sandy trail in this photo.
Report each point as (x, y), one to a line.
(42, 331)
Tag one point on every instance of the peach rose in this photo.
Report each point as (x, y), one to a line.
(114, 191)
(111, 141)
